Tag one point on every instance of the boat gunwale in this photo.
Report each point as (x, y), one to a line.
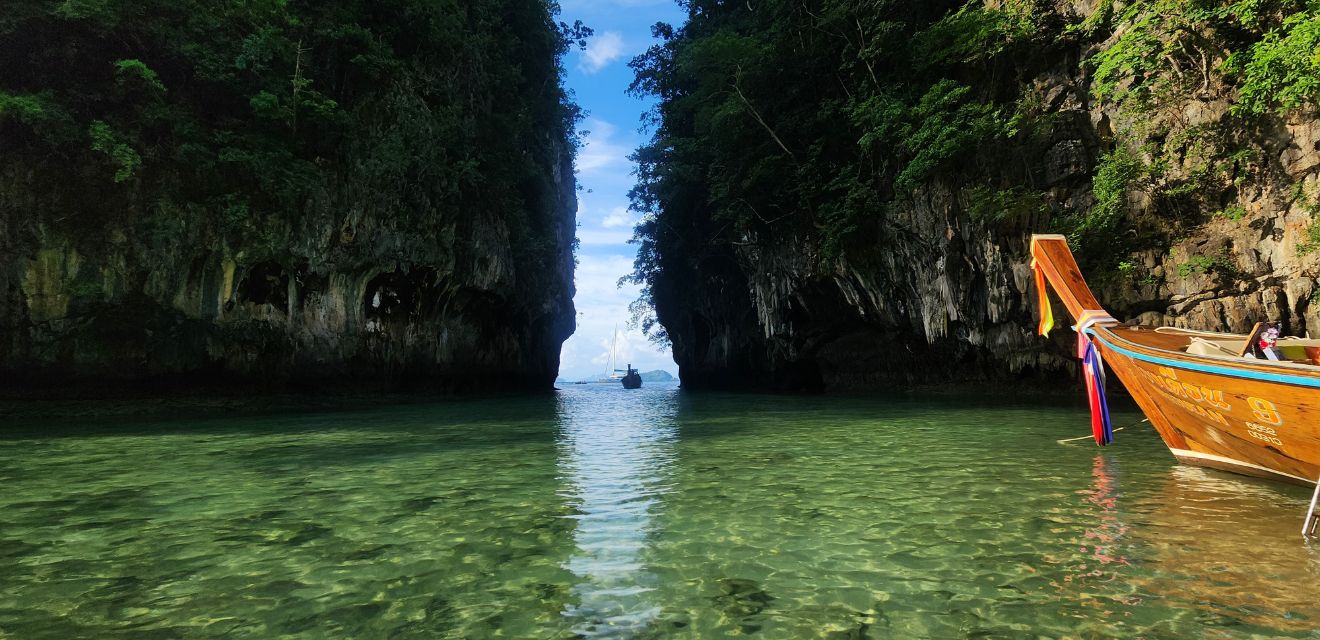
(1264, 371)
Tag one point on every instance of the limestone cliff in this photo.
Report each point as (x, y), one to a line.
(1186, 211)
(285, 195)
(467, 312)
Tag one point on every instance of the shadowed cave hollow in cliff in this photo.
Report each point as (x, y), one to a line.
(397, 297)
(265, 283)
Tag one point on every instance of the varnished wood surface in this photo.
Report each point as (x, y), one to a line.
(1156, 340)
(1172, 345)
(1262, 428)
(1254, 417)
(1054, 257)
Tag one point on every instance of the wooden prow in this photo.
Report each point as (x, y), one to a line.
(1055, 260)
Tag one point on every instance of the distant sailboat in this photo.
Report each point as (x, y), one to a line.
(612, 374)
(630, 378)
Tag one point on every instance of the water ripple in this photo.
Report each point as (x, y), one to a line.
(617, 457)
(605, 513)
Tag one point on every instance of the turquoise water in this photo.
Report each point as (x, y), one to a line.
(599, 512)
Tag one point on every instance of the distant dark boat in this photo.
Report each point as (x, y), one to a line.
(632, 380)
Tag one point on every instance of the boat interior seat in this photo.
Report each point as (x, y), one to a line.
(1289, 348)
(1203, 347)
(1299, 349)
(1298, 342)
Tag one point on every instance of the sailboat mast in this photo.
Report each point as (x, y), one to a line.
(614, 345)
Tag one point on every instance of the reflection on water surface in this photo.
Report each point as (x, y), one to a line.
(616, 458)
(648, 514)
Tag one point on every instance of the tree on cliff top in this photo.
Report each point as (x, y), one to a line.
(243, 125)
(812, 120)
(808, 118)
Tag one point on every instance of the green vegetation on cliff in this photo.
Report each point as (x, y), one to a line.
(369, 185)
(818, 111)
(1258, 55)
(829, 169)
(232, 122)
(825, 112)
(1168, 49)
(813, 118)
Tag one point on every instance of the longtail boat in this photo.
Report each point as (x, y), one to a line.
(1212, 406)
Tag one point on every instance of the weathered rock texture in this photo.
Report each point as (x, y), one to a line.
(924, 293)
(173, 209)
(105, 309)
(938, 300)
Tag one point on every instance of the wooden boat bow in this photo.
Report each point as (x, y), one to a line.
(1250, 416)
(1052, 260)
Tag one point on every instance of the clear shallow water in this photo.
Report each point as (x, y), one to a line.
(651, 514)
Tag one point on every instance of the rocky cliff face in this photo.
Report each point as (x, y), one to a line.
(466, 312)
(1231, 272)
(933, 288)
(937, 300)
(289, 195)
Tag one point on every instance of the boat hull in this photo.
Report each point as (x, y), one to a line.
(1255, 417)
(1231, 414)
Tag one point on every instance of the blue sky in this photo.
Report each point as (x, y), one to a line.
(599, 78)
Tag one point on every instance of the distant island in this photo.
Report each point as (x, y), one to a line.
(657, 375)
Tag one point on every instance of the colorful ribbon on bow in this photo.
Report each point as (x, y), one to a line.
(1042, 300)
(1094, 368)
(1092, 364)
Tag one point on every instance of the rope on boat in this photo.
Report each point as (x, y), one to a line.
(1067, 440)
(1197, 332)
(1215, 345)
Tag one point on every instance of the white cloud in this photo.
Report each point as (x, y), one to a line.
(611, 230)
(601, 51)
(598, 286)
(618, 217)
(600, 153)
(597, 6)
(595, 238)
(604, 264)
(603, 309)
(628, 347)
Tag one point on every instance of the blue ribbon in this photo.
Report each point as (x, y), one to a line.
(1096, 377)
